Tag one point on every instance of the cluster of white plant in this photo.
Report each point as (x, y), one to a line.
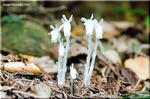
(91, 25)
(63, 46)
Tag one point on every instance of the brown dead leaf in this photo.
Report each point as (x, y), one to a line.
(32, 68)
(12, 55)
(96, 79)
(14, 66)
(42, 90)
(128, 76)
(139, 65)
(138, 87)
(21, 67)
(46, 64)
(28, 57)
(113, 56)
(109, 30)
(123, 25)
(76, 49)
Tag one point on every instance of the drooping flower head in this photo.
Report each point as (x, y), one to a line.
(66, 25)
(89, 24)
(98, 29)
(73, 72)
(54, 33)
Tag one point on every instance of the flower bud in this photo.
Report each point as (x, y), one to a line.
(98, 29)
(73, 72)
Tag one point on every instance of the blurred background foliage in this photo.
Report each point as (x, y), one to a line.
(25, 28)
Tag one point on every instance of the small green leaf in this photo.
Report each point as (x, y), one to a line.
(147, 21)
(85, 96)
(121, 9)
(138, 11)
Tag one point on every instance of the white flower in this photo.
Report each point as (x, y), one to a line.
(89, 24)
(61, 49)
(98, 29)
(73, 72)
(54, 33)
(66, 25)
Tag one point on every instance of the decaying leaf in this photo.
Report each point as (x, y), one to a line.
(77, 49)
(14, 66)
(32, 68)
(96, 79)
(46, 64)
(109, 30)
(122, 47)
(113, 56)
(21, 67)
(138, 87)
(139, 65)
(122, 25)
(28, 57)
(43, 90)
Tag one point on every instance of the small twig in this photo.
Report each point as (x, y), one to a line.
(26, 93)
(5, 88)
(138, 82)
(65, 96)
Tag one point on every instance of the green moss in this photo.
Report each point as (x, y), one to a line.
(143, 95)
(25, 37)
(11, 19)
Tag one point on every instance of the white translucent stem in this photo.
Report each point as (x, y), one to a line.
(93, 58)
(59, 63)
(71, 87)
(86, 65)
(64, 69)
(60, 60)
(101, 46)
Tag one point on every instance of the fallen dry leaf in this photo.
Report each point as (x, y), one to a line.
(28, 57)
(46, 64)
(43, 90)
(32, 68)
(113, 56)
(76, 49)
(14, 66)
(122, 47)
(139, 65)
(109, 30)
(21, 67)
(123, 25)
(96, 79)
(138, 87)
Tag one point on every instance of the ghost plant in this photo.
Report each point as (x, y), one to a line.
(62, 47)
(73, 75)
(91, 25)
